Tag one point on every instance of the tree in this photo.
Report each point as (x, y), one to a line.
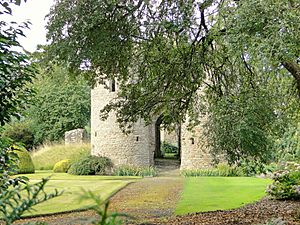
(61, 103)
(16, 70)
(16, 194)
(164, 54)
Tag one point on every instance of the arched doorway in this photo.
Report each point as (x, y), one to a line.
(167, 140)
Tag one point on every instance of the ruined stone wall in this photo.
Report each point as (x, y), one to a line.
(76, 136)
(136, 148)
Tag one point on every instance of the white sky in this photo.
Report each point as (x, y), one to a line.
(34, 11)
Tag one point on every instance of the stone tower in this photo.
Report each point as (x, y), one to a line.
(194, 152)
(136, 148)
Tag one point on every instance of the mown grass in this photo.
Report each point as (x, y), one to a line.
(73, 187)
(202, 194)
(45, 157)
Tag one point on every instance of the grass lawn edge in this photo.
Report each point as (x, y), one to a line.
(80, 209)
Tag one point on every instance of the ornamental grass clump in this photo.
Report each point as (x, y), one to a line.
(127, 170)
(286, 182)
(222, 170)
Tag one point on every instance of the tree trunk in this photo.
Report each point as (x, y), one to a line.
(157, 153)
(294, 69)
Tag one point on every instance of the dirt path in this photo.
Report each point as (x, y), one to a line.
(149, 198)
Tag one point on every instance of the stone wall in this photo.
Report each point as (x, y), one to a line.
(136, 148)
(194, 152)
(76, 136)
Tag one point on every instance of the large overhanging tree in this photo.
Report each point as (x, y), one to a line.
(164, 53)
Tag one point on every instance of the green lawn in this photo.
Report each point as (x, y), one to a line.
(73, 187)
(202, 194)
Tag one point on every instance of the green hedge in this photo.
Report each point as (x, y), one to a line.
(25, 162)
(222, 170)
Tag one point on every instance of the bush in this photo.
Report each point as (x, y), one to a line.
(25, 163)
(252, 167)
(168, 148)
(222, 170)
(20, 132)
(127, 170)
(91, 165)
(62, 166)
(48, 155)
(16, 199)
(286, 182)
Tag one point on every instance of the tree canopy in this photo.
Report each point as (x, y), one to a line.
(61, 103)
(180, 58)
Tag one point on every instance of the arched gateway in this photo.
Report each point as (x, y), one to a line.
(139, 147)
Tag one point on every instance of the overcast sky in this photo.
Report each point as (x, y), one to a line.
(34, 11)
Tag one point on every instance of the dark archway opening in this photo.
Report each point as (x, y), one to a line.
(165, 148)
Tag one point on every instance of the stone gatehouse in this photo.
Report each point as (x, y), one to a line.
(138, 148)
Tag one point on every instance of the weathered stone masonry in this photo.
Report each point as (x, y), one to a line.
(137, 148)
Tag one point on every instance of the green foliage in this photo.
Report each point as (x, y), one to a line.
(19, 132)
(201, 57)
(252, 167)
(289, 144)
(25, 164)
(62, 103)
(16, 194)
(46, 156)
(173, 54)
(101, 209)
(127, 170)
(62, 166)
(222, 170)
(168, 148)
(91, 165)
(241, 125)
(286, 182)
(16, 71)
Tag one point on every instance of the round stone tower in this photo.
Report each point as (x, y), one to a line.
(194, 151)
(136, 148)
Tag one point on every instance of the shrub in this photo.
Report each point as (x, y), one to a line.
(127, 170)
(20, 132)
(25, 163)
(168, 148)
(47, 156)
(222, 170)
(91, 165)
(286, 183)
(15, 199)
(252, 167)
(62, 166)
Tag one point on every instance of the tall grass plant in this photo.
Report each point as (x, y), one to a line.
(47, 155)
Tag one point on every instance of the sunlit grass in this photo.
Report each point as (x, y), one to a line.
(73, 187)
(202, 194)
